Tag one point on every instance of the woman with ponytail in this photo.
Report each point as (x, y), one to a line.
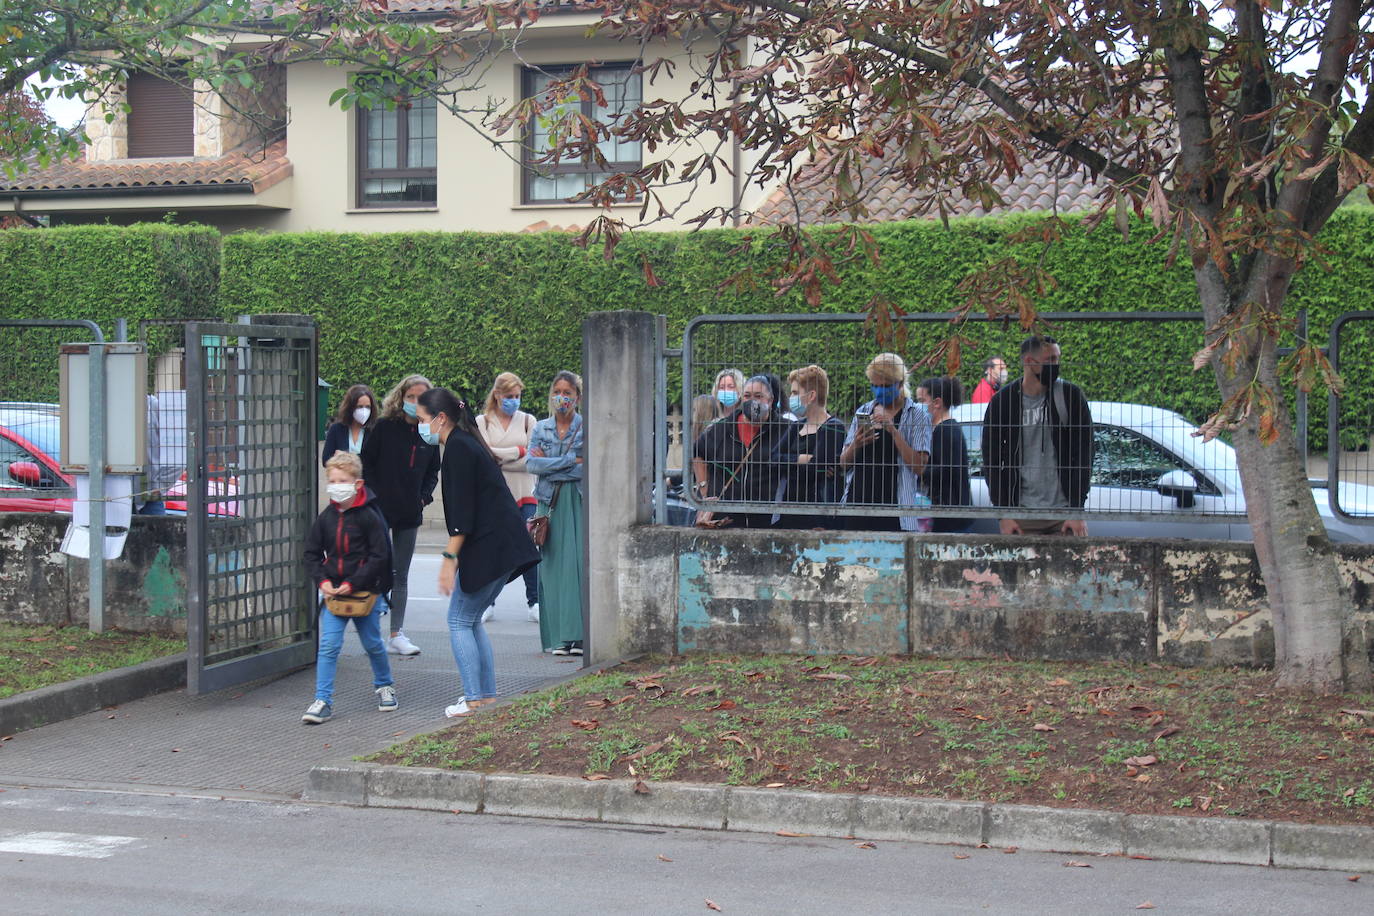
(555, 458)
(488, 545)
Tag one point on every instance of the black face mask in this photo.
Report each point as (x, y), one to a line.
(1049, 372)
(755, 411)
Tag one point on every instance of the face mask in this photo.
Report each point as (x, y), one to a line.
(727, 398)
(341, 493)
(794, 404)
(361, 415)
(409, 408)
(509, 406)
(886, 395)
(562, 403)
(1048, 373)
(428, 437)
(755, 411)
(1002, 377)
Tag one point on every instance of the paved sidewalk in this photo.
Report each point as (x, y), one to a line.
(251, 738)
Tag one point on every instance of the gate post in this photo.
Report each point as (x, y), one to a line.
(618, 360)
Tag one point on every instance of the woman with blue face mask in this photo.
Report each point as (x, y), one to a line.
(886, 450)
(733, 459)
(809, 451)
(506, 430)
(402, 469)
(555, 458)
(487, 547)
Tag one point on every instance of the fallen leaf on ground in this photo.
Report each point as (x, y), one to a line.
(1353, 878)
(1164, 733)
(735, 738)
(1148, 760)
(961, 855)
(775, 785)
(1059, 682)
(866, 845)
(790, 833)
(1204, 802)
(593, 777)
(1042, 727)
(864, 662)
(647, 750)
(176, 750)
(723, 704)
(1362, 713)
(700, 689)
(712, 905)
(1147, 905)
(588, 724)
(1010, 850)
(1074, 863)
(663, 858)
(641, 788)
(830, 676)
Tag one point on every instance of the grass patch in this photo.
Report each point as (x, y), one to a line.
(39, 656)
(1136, 738)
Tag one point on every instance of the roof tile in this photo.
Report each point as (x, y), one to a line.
(249, 165)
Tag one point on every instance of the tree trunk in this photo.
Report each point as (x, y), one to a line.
(1298, 564)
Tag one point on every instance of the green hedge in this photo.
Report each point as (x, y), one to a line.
(461, 307)
(98, 273)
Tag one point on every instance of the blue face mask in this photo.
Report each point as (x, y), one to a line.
(509, 406)
(428, 437)
(794, 404)
(409, 408)
(886, 395)
(727, 398)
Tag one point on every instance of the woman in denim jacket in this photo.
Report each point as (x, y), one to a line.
(555, 458)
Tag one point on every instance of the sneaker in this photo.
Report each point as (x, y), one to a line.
(488, 614)
(399, 645)
(564, 649)
(460, 708)
(319, 711)
(575, 649)
(386, 698)
(533, 613)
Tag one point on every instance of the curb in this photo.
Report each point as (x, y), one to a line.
(668, 804)
(57, 702)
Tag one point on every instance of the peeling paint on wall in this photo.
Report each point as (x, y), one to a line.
(164, 587)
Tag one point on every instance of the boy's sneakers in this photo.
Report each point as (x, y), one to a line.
(399, 645)
(533, 613)
(320, 711)
(386, 698)
(461, 708)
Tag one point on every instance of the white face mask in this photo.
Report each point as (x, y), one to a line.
(341, 492)
(361, 415)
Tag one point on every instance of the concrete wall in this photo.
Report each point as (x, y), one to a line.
(1184, 602)
(145, 588)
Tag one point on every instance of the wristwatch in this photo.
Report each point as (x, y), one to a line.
(449, 556)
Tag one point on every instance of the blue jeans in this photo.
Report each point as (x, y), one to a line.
(331, 641)
(471, 647)
(532, 574)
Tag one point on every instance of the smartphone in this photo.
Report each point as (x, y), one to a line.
(865, 418)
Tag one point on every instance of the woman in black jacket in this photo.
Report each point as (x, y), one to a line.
(733, 459)
(402, 470)
(356, 418)
(488, 544)
(946, 473)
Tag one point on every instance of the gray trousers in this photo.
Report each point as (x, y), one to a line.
(402, 549)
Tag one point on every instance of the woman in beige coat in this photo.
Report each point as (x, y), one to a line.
(506, 430)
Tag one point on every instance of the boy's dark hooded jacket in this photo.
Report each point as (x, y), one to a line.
(351, 545)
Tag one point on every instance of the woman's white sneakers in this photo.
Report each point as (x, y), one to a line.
(533, 613)
(399, 645)
(460, 708)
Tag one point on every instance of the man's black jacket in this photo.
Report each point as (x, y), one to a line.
(1072, 436)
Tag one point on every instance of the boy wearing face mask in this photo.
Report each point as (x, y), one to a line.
(1038, 443)
(347, 552)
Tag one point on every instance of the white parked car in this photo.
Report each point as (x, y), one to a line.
(1148, 461)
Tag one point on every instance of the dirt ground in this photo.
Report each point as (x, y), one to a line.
(1134, 738)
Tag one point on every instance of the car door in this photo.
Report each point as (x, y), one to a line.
(53, 493)
(1127, 466)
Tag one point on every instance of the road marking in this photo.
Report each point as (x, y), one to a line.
(85, 846)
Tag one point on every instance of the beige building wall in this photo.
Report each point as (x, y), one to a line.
(478, 184)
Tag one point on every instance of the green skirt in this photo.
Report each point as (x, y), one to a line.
(562, 570)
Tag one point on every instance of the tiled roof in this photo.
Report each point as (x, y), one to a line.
(251, 167)
(1041, 187)
(263, 9)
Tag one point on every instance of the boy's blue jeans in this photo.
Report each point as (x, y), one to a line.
(331, 641)
(471, 647)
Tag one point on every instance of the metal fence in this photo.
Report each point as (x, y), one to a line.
(932, 458)
(1349, 467)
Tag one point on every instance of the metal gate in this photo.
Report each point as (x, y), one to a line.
(251, 478)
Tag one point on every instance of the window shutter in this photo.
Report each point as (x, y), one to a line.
(161, 118)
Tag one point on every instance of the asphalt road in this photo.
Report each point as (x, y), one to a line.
(64, 851)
